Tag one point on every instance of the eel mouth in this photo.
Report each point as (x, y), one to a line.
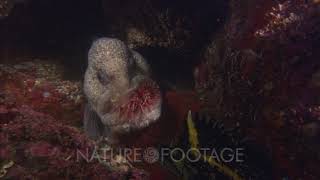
(138, 108)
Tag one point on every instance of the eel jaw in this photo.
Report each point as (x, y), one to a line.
(139, 108)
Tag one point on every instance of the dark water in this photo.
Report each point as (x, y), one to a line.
(63, 31)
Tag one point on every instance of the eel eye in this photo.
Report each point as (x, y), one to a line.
(103, 78)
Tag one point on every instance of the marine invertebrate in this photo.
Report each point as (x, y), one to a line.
(144, 97)
(205, 139)
(121, 95)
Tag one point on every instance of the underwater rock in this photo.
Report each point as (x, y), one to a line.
(40, 85)
(40, 116)
(41, 147)
(292, 21)
(5, 7)
(204, 142)
(268, 62)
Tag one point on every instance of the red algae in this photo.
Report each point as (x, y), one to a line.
(34, 138)
(42, 91)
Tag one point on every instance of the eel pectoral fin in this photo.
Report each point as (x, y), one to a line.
(93, 126)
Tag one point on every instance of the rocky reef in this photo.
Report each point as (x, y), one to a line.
(41, 122)
(250, 65)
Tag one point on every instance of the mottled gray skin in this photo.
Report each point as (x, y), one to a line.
(113, 71)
